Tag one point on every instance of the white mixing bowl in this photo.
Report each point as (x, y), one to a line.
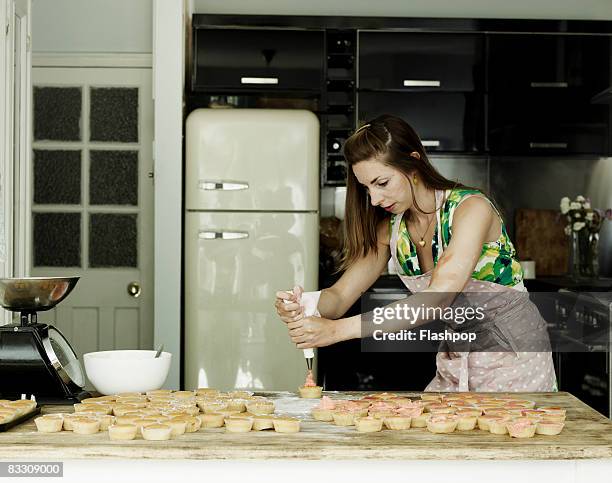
(112, 372)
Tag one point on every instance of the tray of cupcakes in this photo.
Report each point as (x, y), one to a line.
(14, 412)
(443, 413)
(162, 414)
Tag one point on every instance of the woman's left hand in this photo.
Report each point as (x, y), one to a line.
(311, 332)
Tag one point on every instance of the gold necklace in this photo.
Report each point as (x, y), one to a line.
(422, 242)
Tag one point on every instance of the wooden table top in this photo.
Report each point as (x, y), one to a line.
(587, 435)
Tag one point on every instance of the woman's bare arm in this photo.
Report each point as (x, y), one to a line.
(357, 279)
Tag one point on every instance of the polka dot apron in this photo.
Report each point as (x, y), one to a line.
(510, 312)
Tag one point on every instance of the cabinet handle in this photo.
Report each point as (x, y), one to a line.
(223, 235)
(548, 145)
(430, 143)
(222, 185)
(549, 84)
(421, 83)
(259, 80)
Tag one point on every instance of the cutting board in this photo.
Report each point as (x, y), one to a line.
(539, 236)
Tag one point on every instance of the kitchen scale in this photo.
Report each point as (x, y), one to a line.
(35, 358)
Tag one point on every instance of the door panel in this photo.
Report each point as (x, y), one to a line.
(233, 336)
(271, 155)
(92, 201)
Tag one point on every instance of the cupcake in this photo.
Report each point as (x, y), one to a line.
(177, 427)
(260, 407)
(211, 420)
(262, 422)
(368, 424)
(442, 423)
(497, 424)
(156, 432)
(419, 421)
(105, 421)
(85, 425)
(286, 425)
(213, 406)
(240, 394)
(483, 422)
(122, 431)
(238, 424)
(324, 410)
(397, 422)
(467, 419)
(549, 428)
(206, 391)
(49, 424)
(344, 418)
(553, 412)
(440, 409)
(310, 392)
(521, 428)
(236, 405)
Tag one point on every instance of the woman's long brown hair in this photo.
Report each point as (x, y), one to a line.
(390, 140)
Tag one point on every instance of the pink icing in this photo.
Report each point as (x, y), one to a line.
(309, 380)
(326, 403)
(409, 412)
(349, 406)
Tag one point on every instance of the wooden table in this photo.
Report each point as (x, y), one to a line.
(587, 435)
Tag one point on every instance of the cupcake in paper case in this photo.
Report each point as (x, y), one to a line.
(368, 424)
(310, 390)
(397, 422)
(324, 411)
(549, 428)
(521, 428)
(498, 424)
(442, 423)
(286, 424)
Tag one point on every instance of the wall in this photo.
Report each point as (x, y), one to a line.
(560, 9)
(92, 26)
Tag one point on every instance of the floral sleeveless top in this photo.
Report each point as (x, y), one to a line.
(497, 262)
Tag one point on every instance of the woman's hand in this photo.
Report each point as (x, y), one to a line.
(308, 332)
(291, 310)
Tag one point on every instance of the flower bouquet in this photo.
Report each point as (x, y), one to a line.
(583, 224)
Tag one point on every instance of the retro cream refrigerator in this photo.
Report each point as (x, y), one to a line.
(251, 228)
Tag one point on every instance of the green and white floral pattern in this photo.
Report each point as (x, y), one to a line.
(497, 262)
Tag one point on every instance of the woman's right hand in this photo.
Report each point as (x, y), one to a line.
(287, 306)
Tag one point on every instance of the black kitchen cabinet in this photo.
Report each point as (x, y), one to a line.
(421, 61)
(543, 62)
(257, 59)
(547, 122)
(445, 121)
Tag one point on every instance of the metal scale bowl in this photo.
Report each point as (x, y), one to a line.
(35, 358)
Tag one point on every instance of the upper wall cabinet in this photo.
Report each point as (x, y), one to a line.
(411, 61)
(541, 89)
(549, 61)
(257, 59)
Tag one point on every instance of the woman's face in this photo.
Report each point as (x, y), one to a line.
(387, 186)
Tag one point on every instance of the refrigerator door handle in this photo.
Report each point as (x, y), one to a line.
(223, 235)
(222, 185)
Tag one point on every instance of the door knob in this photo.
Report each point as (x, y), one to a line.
(133, 289)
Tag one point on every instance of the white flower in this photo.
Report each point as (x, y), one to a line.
(568, 230)
(589, 216)
(574, 205)
(580, 198)
(564, 205)
(586, 205)
(577, 215)
(579, 225)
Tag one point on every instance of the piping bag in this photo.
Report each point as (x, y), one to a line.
(309, 301)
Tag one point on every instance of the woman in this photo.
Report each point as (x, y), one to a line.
(444, 238)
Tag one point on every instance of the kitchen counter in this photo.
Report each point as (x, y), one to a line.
(587, 435)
